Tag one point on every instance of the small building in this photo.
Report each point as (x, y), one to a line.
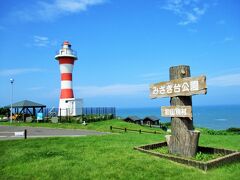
(151, 120)
(27, 107)
(133, 119)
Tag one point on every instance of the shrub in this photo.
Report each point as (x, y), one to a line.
(86, 118)
(206, 156)
(4, 111)
(233, 129)
(216, 132)
(165, 126)
(96, 117)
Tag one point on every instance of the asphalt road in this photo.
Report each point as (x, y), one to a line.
(8, 132)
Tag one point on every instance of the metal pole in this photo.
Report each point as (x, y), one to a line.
(11, 80)
(25, 134)
(60, 115)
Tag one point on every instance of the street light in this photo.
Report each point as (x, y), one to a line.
(11, 81)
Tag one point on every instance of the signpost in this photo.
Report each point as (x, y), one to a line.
(180, 88)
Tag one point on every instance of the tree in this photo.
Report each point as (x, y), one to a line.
(4, 111)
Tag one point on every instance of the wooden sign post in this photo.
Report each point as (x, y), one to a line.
(184, 140)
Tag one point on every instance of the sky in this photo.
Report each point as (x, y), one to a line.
(123, 46)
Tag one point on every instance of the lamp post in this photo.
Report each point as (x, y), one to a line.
(11, 81)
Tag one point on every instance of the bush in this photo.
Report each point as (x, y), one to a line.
(233, 129)
(96, 117)
(69, 119)
(165, 126)
(4, 111)
(86, 118)
(216, 132)
(206, 156)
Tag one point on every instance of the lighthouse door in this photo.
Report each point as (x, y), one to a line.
(71, 112)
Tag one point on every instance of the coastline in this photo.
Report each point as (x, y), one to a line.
(217, 117)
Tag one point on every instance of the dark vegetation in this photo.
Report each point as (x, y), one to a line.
(4, 111)
(220, 132)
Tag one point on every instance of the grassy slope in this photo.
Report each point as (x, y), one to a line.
(103, 157)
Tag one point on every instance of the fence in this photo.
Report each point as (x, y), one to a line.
(84, 111)
(88, 114)
(140, 131)
(99, 111)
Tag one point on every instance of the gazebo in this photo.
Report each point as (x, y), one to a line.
(27, 107)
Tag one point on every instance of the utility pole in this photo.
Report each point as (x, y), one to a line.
(11, 81)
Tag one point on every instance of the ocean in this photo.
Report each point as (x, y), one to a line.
(212, 117)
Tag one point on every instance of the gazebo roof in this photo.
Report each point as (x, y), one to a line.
(152, 118)
(133, 118)
(26, 104)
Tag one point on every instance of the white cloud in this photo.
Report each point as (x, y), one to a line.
(189, 11)
(199, 11)
(41, 41)
(225, 80)
(112, 90)
(48, 11)
(76, 5)
(227, 39)
(12, 72)
(189, 18)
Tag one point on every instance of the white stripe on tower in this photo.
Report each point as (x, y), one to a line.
(66, 84)
(66, 68)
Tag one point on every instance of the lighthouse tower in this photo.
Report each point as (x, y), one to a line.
(68, 105)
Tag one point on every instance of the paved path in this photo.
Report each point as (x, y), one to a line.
(8, 132)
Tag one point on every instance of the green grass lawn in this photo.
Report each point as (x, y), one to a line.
(104, 157)
(98, 126)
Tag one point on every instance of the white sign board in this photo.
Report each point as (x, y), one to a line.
(179, 87)
(39, 116)
(19, 134)
(176, 111)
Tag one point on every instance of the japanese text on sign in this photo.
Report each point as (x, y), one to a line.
(176, 88)
(176, 111)
(179, 87)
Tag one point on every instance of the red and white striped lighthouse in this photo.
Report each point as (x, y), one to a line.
(67, 103)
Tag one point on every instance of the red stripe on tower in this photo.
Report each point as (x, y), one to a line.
(66, 77)
(66, 93)
(66, 60)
